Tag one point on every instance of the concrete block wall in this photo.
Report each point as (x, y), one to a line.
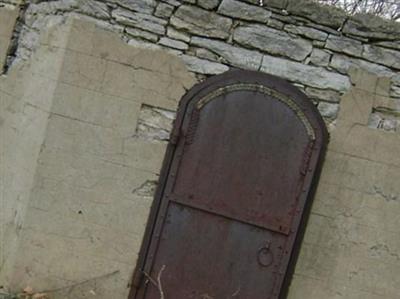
(351, 246)
(87, 105)
(8, 18)
(94, 122)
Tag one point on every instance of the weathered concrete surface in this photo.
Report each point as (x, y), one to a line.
(8, 17)
(87, 124)
(26, 97)
(351, 247)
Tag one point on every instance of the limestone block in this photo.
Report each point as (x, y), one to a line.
(389, 44)
(95, 9)
(175, 34)
(308, 32)
(240, 10)
(139, 20)
(323, 94)
(208, 4)
(318, 43)
(142, 34)
(198, 21)
(142, 6)
(328, 110)
(164, 10)
(234, 55)
(275, 24)
(395, 91)
(174, 3)
(390, 58)
(44, 9)
(154, 124)
(320, 57)
(367, 25)
(203, 66)
(206, 54)
(280, 4)
(396, 79)
(343, 63)
(272, 41)
(344, 45)
(387, 122)
(142, 44)
(309, 75)
(172, 43)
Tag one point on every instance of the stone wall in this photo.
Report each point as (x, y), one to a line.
(88, 95)
(310, 45)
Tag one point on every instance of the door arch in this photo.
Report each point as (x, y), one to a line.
(234, 192)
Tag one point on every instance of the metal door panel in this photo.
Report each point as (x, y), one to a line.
(236, 259)
(236, 161)
(234, 192)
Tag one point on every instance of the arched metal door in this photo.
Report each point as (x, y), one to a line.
(237, 180)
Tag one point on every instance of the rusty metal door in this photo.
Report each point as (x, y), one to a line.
(237, 180)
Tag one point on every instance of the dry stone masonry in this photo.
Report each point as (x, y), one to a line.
(312, 46)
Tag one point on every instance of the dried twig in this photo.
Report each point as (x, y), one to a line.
(157, 283)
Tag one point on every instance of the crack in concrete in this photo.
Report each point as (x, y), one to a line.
(387, 197)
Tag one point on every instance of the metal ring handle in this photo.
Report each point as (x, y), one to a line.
(265, 256)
